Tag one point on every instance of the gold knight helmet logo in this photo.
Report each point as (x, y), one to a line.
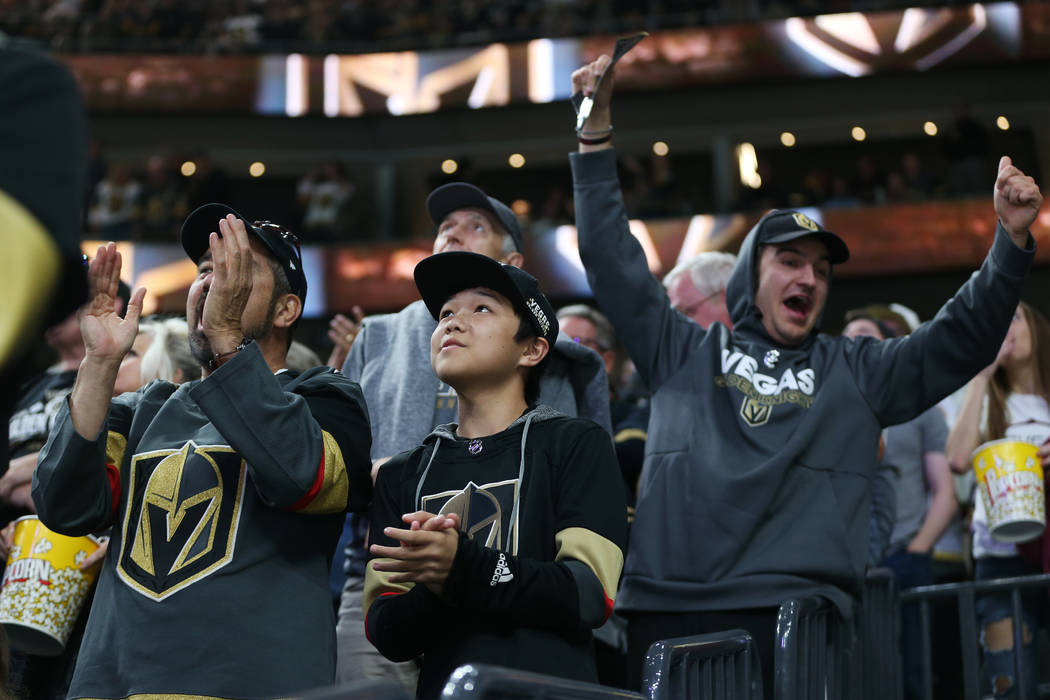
(182, 517)
(856, 43)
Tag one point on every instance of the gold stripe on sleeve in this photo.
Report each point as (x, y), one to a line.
(378, 582)
(335, 487)
(630, 434)
(116, 444)
(603, 556)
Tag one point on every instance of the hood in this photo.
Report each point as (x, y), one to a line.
(740, 292)
(533, 415)
(448, 432)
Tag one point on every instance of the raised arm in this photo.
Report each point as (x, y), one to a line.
(902, 378)
(76, 486)
(658, 338)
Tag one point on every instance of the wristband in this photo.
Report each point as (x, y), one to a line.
(221, 358)
(594, 142)
(593, 138)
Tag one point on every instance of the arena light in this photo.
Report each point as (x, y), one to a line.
(858, 133)
(516, 160)
(257, 169)
(188, 168)
(787, 138)
(295, 85)
(1002, 122)
(660, 148)
(747, 161)
(449, 166)
(930, 128)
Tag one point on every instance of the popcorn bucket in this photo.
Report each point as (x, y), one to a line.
(43, 587)
(1010, 478)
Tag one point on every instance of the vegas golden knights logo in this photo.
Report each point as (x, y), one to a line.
(181, 521)
(805, 222)
(486, 513)
(755, 413)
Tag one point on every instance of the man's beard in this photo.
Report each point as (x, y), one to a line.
(200, 347)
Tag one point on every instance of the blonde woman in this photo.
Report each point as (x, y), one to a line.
(160, 351)
(1008, 399)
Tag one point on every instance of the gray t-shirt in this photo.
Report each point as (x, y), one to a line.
(906, 447)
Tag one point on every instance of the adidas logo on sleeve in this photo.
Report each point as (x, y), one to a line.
(502, 573)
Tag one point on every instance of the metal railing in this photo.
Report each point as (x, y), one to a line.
(876, 673)
(719, 666)
(811, 658)
(965, 594)
(484, 682)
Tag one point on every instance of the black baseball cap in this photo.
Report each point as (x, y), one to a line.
(460, 195)
(282, 243)
(441, 276)
(783, 225)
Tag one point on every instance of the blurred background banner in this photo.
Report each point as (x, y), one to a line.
(854, 44)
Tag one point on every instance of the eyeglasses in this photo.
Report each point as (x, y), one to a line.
(592, 343)
(691, 310)
(281, 231)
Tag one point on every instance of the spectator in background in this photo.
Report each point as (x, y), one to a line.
(842, 196)
(917, 181)
(697, 287)
(924, 495)
(163, 201)
(324, 197)
(161, 351)
(967, 150)
(869, 184)
(301, 358)
(1007, 399)
(208, 184)
(114, 209)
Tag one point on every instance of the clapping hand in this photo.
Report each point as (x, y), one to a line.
(106, 335)
(426, 552)
(231, 284)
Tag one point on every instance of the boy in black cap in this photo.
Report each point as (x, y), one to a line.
(500, 539)
(226, 495)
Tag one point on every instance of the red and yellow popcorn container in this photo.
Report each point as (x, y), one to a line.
(1010, 479)
(43, 587)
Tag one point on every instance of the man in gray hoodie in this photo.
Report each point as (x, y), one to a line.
(756, 485)
(390, 359)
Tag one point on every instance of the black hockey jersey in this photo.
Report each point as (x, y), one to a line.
(541, 507)
(227, 498)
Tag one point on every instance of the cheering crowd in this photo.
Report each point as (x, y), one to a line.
(505, 496)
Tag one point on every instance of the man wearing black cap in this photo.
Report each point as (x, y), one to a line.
(226, 495)
(406, 400)
(500, 539)
(762, 440)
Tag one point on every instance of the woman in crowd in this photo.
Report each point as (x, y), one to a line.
(1008, 399)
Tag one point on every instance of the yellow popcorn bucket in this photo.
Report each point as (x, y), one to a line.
(1010, 479)
(43, 587)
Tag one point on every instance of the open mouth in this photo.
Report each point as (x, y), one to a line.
(798, 306)
(200, 312)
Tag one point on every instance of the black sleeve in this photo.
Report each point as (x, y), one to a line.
(575, 592)
(76, 484)
(396, 612)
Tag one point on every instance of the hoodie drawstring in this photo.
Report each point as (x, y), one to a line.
(419, 486)
(521, 482)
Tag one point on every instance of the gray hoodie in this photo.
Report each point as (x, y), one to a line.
(756, 486)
